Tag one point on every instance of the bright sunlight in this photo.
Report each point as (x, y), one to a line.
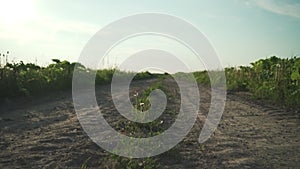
(16, 11)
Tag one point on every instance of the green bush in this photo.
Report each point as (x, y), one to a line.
(273, 78)
(19, 79)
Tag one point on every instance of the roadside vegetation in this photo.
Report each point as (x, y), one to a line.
(23, 80)
(273, 79)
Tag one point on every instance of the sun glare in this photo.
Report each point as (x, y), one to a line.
(16, 11)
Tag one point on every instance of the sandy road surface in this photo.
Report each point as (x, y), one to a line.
(45, 133)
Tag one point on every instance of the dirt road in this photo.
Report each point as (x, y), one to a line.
(45, 133)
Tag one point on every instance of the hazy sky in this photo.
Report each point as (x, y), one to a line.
(240, 31)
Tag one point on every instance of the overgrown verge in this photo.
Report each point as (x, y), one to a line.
(273, 79)
(23, 80)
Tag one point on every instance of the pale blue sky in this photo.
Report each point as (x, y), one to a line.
(240, 31)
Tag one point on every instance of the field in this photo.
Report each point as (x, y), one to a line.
(259, 127)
